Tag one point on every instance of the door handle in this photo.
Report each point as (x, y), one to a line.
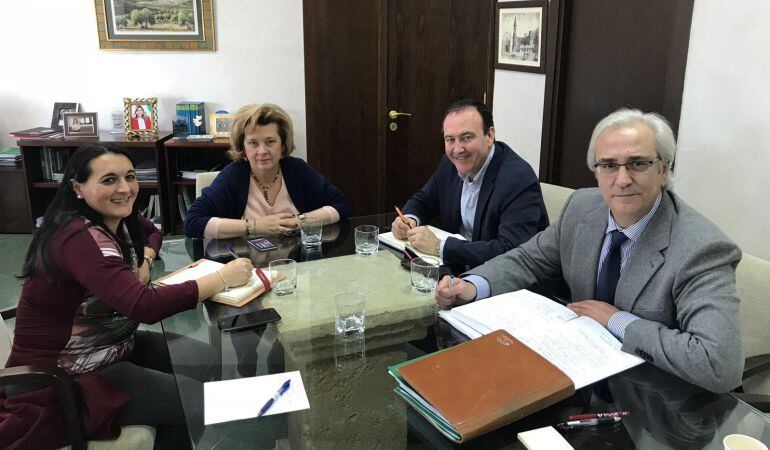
(393, 114)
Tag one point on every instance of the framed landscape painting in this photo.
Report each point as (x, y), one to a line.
(180, 25)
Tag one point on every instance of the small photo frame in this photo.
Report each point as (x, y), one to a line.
(220, 124)
(59, 108)
(140, 115)
(520, 32)
(80, 124)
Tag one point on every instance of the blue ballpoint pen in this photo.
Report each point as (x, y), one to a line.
(232, 252)
(284, 387)
(451, 280)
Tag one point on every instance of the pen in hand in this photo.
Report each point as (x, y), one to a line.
(599, 415)
(284, 387)
(403, 219)
(451, 280)
(232, 252)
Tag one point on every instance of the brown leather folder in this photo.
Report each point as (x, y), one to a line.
(486, 383)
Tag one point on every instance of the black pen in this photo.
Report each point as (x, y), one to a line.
(598, 422)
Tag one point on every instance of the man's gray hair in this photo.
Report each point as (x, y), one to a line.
(665, 143)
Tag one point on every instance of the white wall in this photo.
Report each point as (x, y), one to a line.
(518, 111)
(51, 53)
(723, 163)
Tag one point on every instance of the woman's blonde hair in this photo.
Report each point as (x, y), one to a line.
(252, 115)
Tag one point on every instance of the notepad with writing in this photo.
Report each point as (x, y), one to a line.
(237, 296)
(388, 240)
(581, 347)
(481, 385)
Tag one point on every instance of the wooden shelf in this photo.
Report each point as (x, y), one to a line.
(182, 182)
(55, 184)
(41, 192)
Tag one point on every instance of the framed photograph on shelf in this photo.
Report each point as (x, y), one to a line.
(155, 25)
(140, 115)
(80, 124)
(59, 108)
(520, 32)
(220, 123)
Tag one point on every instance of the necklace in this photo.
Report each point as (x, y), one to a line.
(264, 188)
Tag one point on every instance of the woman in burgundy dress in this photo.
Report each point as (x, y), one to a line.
(90, 257)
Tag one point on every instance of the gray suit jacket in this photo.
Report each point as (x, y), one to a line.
(679, 278)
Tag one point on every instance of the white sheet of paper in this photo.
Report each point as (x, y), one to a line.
(514, 312)
(581, 348)
(229, 400)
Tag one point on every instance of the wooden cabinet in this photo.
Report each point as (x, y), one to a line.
(183, 155)
(40, 186)
(14, 201)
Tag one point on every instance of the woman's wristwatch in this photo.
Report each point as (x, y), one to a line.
(150, 260)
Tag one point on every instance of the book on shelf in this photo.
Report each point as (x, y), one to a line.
(258, 284)
(10, 157)
(34, 132)
(193, 114)
(478, 386)
(542, 339)
(185, 197)
(181, 206)
(388, 240)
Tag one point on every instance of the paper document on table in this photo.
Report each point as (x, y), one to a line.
(225, 401)
(388, 240)
(579, 346)
(513, 312)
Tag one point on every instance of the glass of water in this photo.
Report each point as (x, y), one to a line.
(283, 276)
(350, 313)
(424, 272)
(312, 230)
(367, 238)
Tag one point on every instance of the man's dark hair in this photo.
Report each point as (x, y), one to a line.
(483, 110)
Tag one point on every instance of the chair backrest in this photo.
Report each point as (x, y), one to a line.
(554, 197)
(752, 281)
(5, 342)
(203, 180)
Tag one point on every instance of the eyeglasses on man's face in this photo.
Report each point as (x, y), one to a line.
(636, 166)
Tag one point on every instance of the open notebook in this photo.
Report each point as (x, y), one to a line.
(388, 240)
(239, 296)
(579, 346)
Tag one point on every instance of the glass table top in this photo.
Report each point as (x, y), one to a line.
(352, 403)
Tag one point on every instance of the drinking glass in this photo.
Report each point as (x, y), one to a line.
(424, 272)
(350, 313)
(367, 238)
(312, 230)
(283, 276)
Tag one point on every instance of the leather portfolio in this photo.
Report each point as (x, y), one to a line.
(480, 385)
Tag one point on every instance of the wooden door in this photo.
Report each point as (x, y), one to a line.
(366, 58)
(607, 55)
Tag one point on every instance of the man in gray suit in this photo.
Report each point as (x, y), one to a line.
(657, 274)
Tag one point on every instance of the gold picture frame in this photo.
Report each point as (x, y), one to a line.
(146, 123)
(159, 25)
(220, 124)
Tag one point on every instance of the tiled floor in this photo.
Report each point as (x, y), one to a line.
(13, 248)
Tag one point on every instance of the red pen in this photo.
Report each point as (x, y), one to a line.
(599, 415)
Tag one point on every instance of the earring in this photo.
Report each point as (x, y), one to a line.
(80, 197)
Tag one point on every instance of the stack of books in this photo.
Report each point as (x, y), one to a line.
(146, 171)
(10, 157)
(52, 164)
(37, 133)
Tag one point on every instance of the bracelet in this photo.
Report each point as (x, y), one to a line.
(246, 222)
(223, 281)
(150, 260)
